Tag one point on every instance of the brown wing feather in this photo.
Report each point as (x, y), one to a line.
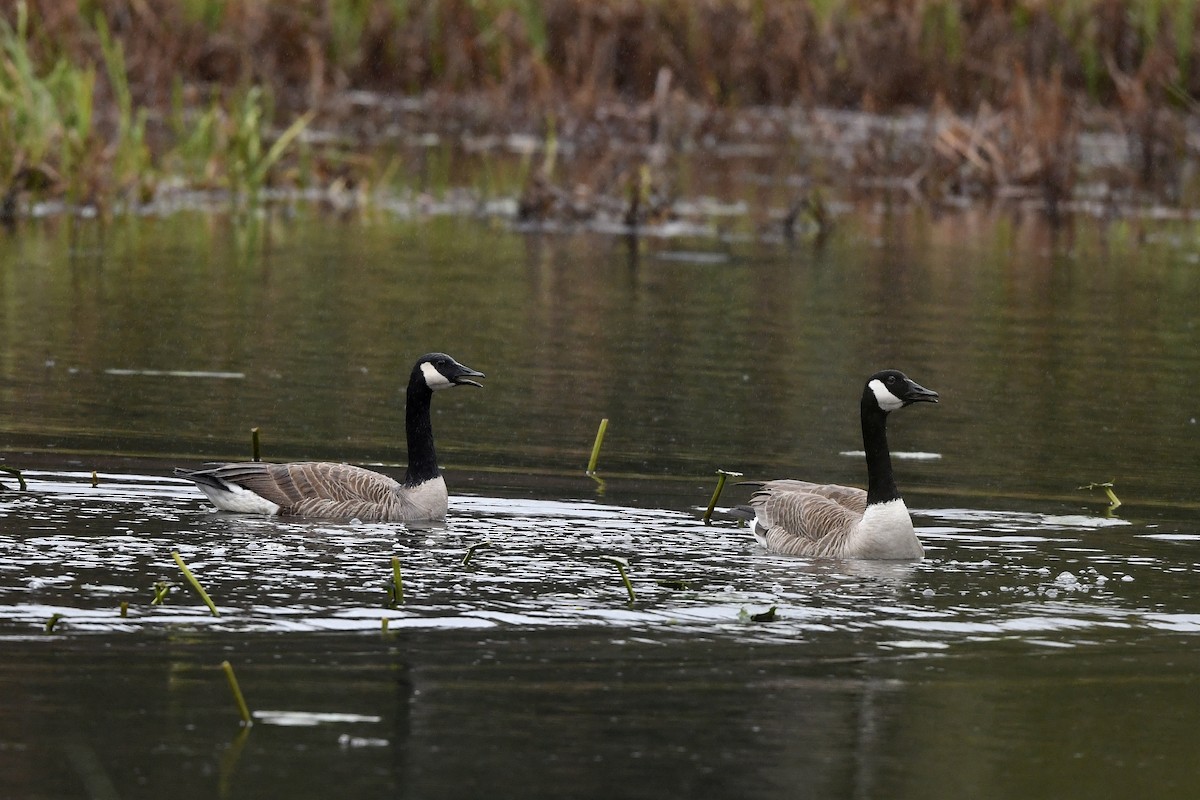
(807, 519)
(321, 489)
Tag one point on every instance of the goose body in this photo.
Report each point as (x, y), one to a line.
(827, 520)
(342, 491)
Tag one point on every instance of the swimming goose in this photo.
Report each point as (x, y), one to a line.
(808, 519)
(341, 491)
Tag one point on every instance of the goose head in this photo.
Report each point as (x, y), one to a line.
(440, 371)
(891, 389)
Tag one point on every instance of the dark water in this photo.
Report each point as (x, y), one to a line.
(1043, 648)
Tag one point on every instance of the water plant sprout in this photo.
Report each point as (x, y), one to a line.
(722, 476)
(591, 468)
(243, 709)
(396, 587)
(187, 573)
(255, 453)
(622, 566)
(160, 592)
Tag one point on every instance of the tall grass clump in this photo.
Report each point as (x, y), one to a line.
(46, 130)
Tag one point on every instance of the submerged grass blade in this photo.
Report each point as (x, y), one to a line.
(255, 452)
(243, 709)
(187, 573)
(50, 623)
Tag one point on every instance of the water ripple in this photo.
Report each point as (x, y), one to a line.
(78, 551)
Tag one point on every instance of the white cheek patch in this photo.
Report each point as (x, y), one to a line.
(434, 379)
(886, 400)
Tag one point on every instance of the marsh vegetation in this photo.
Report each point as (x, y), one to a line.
(597, 112)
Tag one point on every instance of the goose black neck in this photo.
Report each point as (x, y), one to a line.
(881, 484)
(422, 458)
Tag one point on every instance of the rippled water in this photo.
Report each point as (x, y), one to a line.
(1043, 648)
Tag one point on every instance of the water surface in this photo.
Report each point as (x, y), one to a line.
(1043, 648)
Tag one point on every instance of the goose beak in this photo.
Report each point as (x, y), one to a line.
(464, 376)
(916, 393)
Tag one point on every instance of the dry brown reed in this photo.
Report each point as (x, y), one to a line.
(1010, 83)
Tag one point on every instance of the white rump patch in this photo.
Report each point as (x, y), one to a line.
(434, 379)
(241, 501)
(886, 400)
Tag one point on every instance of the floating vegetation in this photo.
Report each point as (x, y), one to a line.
(243, 709)
(622, 565)
(1114, 502)
(674, 583)
(52, 622)
(471, 551)
(195, 584)
(765, 616)
(722, 476)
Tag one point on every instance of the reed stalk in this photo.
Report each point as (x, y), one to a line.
(591, 467)
(16, 473)
(243, 709)
(195, 584)
(722, 476)
(622, 565)
(396, 588)
(1114, 502)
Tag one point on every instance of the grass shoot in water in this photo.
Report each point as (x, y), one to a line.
(243, 709)
(722, 476)
(622, 565)
(187, 573)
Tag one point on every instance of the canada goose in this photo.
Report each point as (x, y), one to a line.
(809, 519)
(341, 491)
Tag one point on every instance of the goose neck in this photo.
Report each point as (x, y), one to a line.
(881, 484)
(422, 457)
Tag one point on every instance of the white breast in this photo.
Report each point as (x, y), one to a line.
(428, 499)
(885, 531)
